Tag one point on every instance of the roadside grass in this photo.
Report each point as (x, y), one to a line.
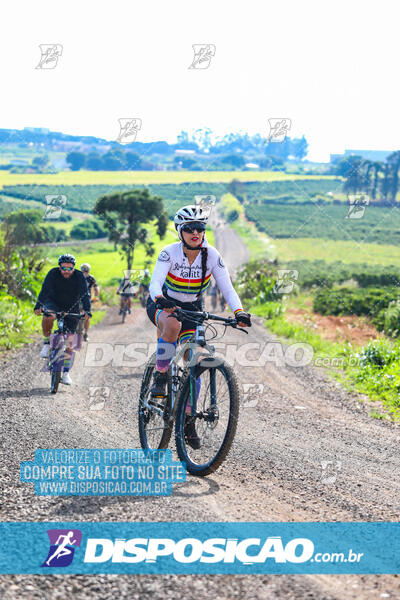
(18, 323)
(341, 362)
(146, 177)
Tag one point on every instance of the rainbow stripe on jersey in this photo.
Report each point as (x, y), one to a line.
(186, 285)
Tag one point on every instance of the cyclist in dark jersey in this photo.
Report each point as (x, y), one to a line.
(92, 286)
(63, 289)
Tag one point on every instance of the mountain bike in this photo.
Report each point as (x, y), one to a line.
(58, 344)
(203, 391)
(80, 329)
(214, 301)
(222, 303)
(124, 309)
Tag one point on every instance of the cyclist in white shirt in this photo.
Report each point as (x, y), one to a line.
(182, 272)
(127, 290)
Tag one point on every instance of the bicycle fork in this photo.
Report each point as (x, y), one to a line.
(195, 386)
(58, 345)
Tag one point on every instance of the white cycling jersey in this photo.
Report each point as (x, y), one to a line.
(126, 287)
(183, 280)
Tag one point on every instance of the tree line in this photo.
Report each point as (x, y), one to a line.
(379, 180)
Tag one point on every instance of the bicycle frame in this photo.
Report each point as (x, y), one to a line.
(58, 341)
(197, 340)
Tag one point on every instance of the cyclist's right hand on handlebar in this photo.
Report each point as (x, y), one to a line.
(38, 311)
(165, 304)
(243, 319)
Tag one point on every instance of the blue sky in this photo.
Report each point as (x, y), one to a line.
(331, 67)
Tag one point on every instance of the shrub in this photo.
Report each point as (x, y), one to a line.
(364, 301)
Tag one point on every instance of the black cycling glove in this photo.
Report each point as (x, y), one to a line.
(243, 317)
(162, 302)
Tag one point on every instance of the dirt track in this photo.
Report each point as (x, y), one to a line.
(274, 471)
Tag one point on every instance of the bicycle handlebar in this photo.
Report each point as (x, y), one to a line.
(48, 313)
(201, 316)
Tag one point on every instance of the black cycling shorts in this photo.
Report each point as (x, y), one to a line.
(70, 323)
(188, 326)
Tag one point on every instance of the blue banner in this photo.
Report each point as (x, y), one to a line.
(187, 548)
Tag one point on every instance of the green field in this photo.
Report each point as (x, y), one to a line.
(378, 224)
(108, 263)
(331, 250)
(145, 177)
(84, 197)
(298, 191)
(300, 248)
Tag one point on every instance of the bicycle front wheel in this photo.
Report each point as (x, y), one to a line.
(215, 421)
(55, 381)
(79, 327)
(155, 428)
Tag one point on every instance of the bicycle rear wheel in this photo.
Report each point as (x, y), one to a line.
(215, 422)
(155, 428)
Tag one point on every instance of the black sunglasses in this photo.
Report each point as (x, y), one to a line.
(195, 226)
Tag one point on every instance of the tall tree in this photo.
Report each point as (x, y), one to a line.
(352, 169)
(299, 148)
(377, 168)
(394, 166)
(125, 214)
(76, 160)
(386, 183)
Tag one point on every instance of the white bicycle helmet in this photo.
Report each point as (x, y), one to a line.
(188, 214)
(85, 267)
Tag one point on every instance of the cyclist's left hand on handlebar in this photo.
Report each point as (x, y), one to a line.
(243, 319)
(165, 304)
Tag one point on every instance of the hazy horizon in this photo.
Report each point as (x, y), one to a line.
(327, 68)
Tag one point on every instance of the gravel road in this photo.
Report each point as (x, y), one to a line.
(298, 422)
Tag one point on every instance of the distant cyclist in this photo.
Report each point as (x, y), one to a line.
(127, 289)
(92, 287)
(63, 290)
(145, 282)
(144, 287)
(214, 296)
(182, 272)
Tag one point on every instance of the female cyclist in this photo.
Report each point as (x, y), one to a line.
(182, 272)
